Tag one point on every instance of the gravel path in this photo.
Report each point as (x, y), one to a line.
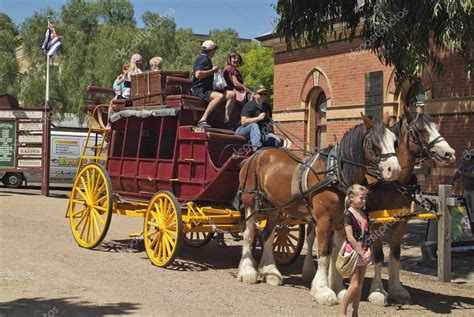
(44, 273)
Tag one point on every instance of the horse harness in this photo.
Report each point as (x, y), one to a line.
(414, 135)
(334, 178)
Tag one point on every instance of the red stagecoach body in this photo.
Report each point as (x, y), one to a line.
(156, 147)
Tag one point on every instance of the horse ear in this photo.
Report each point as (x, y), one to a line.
(386, 118)
(367, 121)
(408, 113)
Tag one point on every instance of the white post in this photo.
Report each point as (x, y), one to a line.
(47, 78)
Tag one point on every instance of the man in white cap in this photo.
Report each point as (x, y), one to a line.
(203, 76)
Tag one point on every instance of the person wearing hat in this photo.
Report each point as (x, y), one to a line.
(465, 172)
(135, 62)
(203, 77)
(255, 120)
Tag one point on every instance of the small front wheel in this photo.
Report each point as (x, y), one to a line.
(162, 230)
(90, 205)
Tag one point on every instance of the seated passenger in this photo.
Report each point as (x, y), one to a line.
(234, 78)
(120, 89)
(255, 121)
(119, 82)
(135, 62)
(203, 76)
(156, 63)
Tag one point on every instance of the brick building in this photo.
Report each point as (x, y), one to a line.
(320, 93)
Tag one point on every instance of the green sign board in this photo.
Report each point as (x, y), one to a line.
(7, 143)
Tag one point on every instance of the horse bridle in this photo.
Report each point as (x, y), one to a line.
(376, 159)
(414, 136)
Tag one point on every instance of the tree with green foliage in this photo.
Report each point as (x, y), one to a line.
(97, 38)
(187, 48)
(9, 75)
(258, 67)
(402, 33)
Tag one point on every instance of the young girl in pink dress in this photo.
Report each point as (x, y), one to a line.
(358, 238)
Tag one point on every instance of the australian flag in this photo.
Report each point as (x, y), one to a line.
(51, 42)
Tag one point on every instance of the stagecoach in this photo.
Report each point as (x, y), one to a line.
(159, 166)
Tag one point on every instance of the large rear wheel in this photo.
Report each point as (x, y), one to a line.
(197, 239)
(163, 229)
(90, 206)
(287, 243)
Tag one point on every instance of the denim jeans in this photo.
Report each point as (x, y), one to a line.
(253, 132)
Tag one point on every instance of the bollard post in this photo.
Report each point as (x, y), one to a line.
(444, 235)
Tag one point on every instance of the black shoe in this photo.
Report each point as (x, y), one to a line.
(203, 124)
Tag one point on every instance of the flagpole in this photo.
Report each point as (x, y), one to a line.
(46, 135)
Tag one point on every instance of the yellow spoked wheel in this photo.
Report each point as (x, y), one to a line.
(197, 239)
(288, 243)
(90, 206)
(163, 229)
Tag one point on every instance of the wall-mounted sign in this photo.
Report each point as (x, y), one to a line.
(29, 151)
(7, 143)
(26, 138)
(29, 162)
(374, 94)
(30, 126)
(21, 114)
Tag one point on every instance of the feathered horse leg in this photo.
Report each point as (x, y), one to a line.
(247, 267)
(309, 269)
(268, 268)
(320, 286)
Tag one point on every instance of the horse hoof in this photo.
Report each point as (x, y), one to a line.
(248, 274)
(340, 295)
(271, 275)
(399, 295)
(248, 277)
(324, 295)
(378, 298)
(273, 280)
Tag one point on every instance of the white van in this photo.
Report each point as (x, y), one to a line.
(66, 149)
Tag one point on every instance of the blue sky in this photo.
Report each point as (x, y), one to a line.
(249, 17)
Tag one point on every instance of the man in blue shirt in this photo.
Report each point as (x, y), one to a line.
(203, 77)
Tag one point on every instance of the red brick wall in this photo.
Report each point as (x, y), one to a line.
(345, 73)
(453, 81)
(338, 128)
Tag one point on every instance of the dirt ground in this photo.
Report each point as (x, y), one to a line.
(44, 273)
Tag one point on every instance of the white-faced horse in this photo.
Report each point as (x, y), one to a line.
(418, 136)
(310, 190)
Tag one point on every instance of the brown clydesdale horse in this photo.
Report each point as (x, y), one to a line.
(275, 178)
(417, 136)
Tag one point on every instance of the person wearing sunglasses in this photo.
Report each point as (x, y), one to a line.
(255, 120)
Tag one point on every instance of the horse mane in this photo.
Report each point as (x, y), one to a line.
(351, 149)
(424, 119)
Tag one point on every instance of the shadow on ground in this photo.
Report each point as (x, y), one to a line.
(63, 307)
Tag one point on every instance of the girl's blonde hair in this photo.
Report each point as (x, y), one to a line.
(355, 189)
